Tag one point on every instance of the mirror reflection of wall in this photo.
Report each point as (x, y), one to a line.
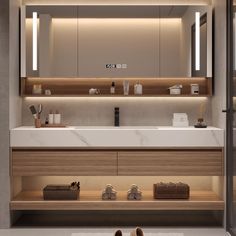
(79, 41)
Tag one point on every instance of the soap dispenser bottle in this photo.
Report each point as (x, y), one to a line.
(117, 116)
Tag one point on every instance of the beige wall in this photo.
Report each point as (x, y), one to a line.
(4, 117)
(15, 99)
(10, 102)
(133, 111)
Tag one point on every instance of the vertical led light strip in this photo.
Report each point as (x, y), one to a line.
(35, 41)
(197, 41)
(234, 23)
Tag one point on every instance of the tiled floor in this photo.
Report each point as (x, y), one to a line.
(109, 232)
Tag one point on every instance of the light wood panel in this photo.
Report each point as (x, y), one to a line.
(161, 162)
(91, 200)
(63, 162)
(171, 163)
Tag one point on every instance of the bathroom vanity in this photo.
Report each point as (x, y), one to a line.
(116, 151)
(153, 46)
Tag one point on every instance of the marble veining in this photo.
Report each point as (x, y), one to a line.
(116, 137)
(81, 138)
(143, 138)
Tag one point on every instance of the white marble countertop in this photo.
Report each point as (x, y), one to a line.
(116, 137)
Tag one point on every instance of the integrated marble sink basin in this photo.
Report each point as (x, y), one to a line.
(137, 137)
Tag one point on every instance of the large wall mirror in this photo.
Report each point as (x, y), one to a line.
(117, 41)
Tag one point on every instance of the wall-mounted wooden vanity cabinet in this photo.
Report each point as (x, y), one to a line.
(116, 41)
(63, 163)
(163, 162)
(27, 163)
(171, 163)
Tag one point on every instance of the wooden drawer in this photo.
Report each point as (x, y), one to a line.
(171, 163)
(63, 162)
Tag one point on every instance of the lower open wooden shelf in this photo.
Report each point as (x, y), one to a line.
(91, 200)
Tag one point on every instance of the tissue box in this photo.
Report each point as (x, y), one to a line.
(60, 192)
(171, 191)
(180, 120)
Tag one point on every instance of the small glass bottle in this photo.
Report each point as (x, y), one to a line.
(112, 89)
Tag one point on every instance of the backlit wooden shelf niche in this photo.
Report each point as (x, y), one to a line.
(91, 200)
(79, 87)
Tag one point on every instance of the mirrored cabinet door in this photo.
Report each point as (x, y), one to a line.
(117, 41)
(180, 46)
(170, 40)
(51, 41)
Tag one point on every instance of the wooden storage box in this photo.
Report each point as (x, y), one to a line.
(171, 191)
(60, 192)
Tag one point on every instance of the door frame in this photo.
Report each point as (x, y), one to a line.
(229, 120)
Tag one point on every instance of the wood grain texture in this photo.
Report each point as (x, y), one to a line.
(91, 200)
(63, 162)
(171, 163)
(209, 162)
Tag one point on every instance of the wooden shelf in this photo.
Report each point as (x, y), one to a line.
(117, 95)
(91, 200)
(79, 87)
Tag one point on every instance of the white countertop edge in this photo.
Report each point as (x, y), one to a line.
(117, 137)
(32, 128)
